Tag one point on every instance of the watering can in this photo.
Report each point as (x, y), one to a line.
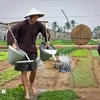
(16, 55)
(45, 53)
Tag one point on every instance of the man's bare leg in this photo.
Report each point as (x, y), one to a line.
(32, 79)
(24, 80)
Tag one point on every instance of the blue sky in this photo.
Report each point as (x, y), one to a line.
(82, 11)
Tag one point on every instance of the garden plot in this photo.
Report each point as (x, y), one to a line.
(50, 78)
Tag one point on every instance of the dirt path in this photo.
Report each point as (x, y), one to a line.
(4, 65)
(50, 79)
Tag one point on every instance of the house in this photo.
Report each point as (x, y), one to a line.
(68, 35)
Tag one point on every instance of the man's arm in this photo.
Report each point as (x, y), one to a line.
(45, 32)
(12, 36)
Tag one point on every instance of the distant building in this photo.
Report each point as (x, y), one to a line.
(53, 34)
(68, 35)
(4, 28)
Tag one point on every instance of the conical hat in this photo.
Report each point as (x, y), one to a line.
(34, 11)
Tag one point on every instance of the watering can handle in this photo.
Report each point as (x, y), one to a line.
(46, 31)
(15, 41)
(46, 36)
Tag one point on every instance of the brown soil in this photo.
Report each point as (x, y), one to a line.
(51, 79)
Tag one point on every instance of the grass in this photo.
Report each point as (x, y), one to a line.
(80, 53)
(95, 53)
(3, 56)
(18, 94)
(92, 42)
(65, 50)
(13, 94)
(3, 42)
(83, 75)
(63, 42)
(8, 75)
(58, 95)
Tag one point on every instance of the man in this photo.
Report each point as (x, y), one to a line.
(26, 33)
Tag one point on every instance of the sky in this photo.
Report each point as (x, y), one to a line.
(82, 11)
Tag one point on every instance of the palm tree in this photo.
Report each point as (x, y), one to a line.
(64, 29)
(60, 29)
(68, 26)
(54, 25)
(72, 23)
(96, 32)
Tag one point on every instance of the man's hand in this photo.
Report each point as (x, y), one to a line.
(14, 45)
(47, 45)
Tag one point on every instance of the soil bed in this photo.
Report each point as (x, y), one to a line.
(51, 79)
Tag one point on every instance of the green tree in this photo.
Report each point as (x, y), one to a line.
(60, 29)
(72, 23)
(96, 32)
(54, 25)
(68, 26)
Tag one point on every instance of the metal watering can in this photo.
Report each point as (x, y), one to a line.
(16, 55)
(45, 54)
